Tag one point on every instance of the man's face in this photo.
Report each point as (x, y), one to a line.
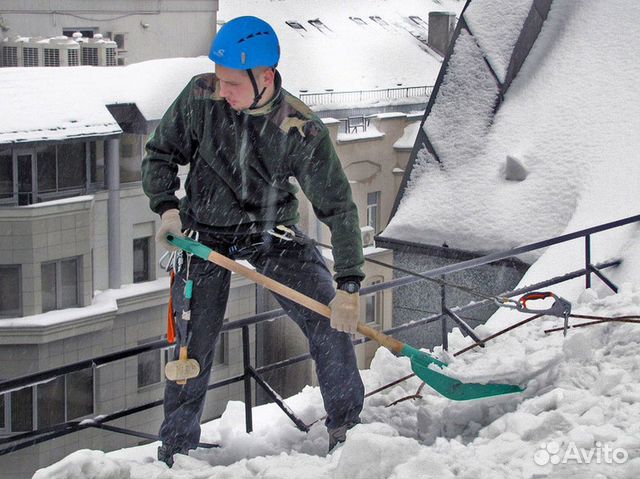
(236, 88)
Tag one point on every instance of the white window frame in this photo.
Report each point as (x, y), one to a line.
(58, 267)
(378, 304)
(373, 210)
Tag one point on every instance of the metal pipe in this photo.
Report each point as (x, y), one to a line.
(587, 260)
(112, 171)
(246, 359)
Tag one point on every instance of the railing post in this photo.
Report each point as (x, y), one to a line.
(587, 260)
(443, 321)
(246, 359)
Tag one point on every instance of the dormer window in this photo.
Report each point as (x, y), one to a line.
(379, 20)
(418, 21)
(358, 20)
(295, 25)
(319, 25)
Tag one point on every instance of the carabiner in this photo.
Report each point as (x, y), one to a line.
(287, 233)
(560, 307)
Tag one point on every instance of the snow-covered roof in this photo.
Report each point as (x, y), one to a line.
(349, 50)
(66, 102)
(56, 103)
(571, 118)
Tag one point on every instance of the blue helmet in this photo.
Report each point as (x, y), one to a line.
(245, 43)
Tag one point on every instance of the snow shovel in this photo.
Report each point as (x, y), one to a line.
(423, 365)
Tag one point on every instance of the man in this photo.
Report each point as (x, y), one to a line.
(244, 137)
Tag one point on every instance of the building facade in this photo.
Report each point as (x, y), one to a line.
(141, 29)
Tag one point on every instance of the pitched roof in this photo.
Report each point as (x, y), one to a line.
(570, 119)
(68, 102)
(354, 45)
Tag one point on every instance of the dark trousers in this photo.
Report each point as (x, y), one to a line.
(300, 267)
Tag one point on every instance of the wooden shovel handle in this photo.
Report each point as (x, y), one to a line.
(183, 357)
(310, 303)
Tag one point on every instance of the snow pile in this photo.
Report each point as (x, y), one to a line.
(570, 117)
(581, 409)
(496, 25)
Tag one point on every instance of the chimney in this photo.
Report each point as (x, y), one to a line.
(441, 26)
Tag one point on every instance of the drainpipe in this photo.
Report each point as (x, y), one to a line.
(112, 174)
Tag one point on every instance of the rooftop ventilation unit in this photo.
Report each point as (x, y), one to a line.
(97, 51)
(11, 51)
(59, 51)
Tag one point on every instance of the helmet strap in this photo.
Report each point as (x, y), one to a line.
(257, 94)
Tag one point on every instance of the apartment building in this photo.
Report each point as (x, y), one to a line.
(79, 273)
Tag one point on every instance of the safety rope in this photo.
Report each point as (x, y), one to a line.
(560, 307)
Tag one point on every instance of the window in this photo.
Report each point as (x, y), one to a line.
(141, 259)
(62, 399)
(373, 210)
(379, 21)
(10, 291)
(46, 172)
(418, 21)
(373, 306)
(358, 20)
(79, 393)
(60, 284)
(51, 402)
(221, 348)
(22, 410)
(150, 365)
(72, 170)
(47, 169)
(319, 25)
(295, 25)
(6, 174)
(120, 39)
(86, 32)
(131, 154)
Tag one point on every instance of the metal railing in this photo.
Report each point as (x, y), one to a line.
(354, 124)
(355, 96)
(23, 440)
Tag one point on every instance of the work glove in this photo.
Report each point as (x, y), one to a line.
(170, 224)
(345, 311)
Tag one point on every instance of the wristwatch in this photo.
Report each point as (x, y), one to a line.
(350, 286)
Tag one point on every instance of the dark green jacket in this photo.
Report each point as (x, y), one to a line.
(240, 165)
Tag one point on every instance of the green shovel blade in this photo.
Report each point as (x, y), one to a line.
(450, 387)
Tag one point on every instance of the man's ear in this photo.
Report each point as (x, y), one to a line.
(269, 76)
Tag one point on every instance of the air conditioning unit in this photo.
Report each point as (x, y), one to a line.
(367, 233)
(22, 52)
(37, 52)
(11, 51)
(61, 51)
(97, 51)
